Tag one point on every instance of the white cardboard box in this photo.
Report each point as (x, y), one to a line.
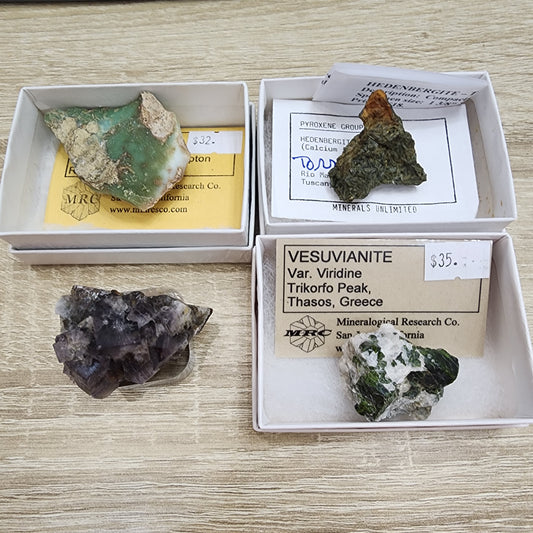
(492, 391)
(497, 205)
(152, 255)
(31, 153)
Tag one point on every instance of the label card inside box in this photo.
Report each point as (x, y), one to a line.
(352, 83)
(210, 195)
(328, 290)
(309, 136)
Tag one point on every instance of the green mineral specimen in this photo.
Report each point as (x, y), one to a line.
(383, 153)
(135, 152)
(388, 377)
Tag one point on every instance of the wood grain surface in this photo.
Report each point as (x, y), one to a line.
(186, 458)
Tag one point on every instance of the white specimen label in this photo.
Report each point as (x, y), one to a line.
(449, 260)
(309, 136)
(215, 142)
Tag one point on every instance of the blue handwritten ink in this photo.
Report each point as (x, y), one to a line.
(310, 164)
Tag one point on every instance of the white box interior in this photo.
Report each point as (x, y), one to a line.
(497, 205)
(32, 148)
(307, 394)
(172, 254)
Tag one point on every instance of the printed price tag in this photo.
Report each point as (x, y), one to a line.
(457, 259)
(215, 142)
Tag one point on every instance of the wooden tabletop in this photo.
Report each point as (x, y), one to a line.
(186, 458)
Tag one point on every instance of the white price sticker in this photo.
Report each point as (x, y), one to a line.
(449, 260)
(215, 142)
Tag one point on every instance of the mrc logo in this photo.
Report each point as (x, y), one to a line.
(307, 333)
(79, 201)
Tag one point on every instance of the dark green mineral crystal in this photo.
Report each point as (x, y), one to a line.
(388, 377)
(135, 152)
(383, 153)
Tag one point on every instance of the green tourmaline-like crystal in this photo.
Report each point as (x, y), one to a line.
(383, 153)
(388, 377)
(135, 152)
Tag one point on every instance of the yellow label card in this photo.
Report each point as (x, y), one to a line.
(210, 195)
(436, 293)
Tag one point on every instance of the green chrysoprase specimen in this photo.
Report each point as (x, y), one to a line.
(135, 152)
(388, 377)
(383, 153)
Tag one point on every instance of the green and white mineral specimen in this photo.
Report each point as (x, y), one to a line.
(389, 378)
(383, 153)
(135, 152)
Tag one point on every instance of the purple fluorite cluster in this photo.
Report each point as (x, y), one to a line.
(110, 338)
